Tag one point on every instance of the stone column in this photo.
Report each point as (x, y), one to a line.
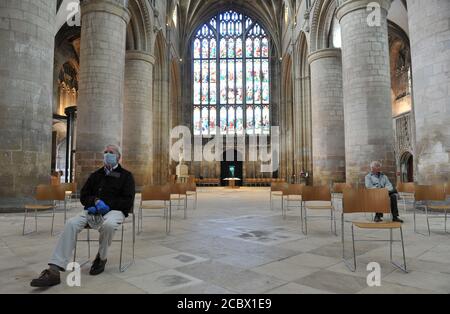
(327, 117)
(102, 66)
(367, 89)
(26, 93)
(138, 118)
(429, 29)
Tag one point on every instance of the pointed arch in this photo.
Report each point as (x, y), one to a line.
(322, 18)
(140, 27)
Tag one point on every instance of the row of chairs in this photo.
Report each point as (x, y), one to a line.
(357, 200)
(262, 181)
(207, 181)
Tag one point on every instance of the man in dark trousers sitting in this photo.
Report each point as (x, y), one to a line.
(107, 197)
(377, 180)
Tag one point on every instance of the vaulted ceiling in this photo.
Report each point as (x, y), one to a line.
(268, 13)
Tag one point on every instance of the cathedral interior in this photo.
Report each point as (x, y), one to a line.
(303, 92)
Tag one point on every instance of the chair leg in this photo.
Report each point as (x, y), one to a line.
(414, 216)
(89, 243)
(306, 220)
(352, 268)
(75, 248)
(121, 249)
(24, 220)
(271, 207)
(53, 221)
(35, 220)
(354, 250)
(196, 200)
(282, 207)
(401, 267)
(428, 221)
(445, 222)
(170, 216)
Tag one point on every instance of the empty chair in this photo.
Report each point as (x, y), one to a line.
(406, 192)
(44, 193)
(276, 189)
(293, 193)
(180, 192)
(369, 201)
(151, 194)
(317, 194)
(428, 194)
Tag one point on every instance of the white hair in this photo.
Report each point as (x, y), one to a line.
(116, 149)
(374, 164)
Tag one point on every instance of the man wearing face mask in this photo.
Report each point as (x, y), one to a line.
(378, 180)
(107, 197)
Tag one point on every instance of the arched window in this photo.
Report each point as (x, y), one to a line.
(231, 88)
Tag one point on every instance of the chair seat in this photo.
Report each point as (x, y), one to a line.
(39, 207)
(191, 192)
(377, 225)
(153, 206)
(319, 206)
(439, 207)
(276, 193)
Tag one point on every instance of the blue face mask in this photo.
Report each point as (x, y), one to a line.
(110, 160)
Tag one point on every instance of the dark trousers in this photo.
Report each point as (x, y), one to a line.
(394, 207)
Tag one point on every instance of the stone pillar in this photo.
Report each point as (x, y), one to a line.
(327, 117)
(26, 93)
(367, 89)
(429, 29)
(138, 126)
(102, 66)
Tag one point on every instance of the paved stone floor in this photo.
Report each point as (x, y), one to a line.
(234, 243)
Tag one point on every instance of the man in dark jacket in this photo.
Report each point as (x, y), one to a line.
(107, 197)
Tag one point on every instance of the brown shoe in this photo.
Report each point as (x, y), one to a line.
(47, 278)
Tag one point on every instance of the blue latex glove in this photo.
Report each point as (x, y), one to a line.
(92, 211)
(102, 208)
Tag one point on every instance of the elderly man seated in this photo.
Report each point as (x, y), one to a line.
(377, 180)
(107, 197)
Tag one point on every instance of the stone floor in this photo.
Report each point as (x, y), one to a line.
(234, 243)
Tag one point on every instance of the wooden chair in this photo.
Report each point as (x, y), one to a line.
(180, 191)
(427, 194)
(89, 240)
(293, 193)
(192, 189)
(44, 193)
(155, 193)
(276, 189)
(369, 201)
(406, 192)
(317, 194)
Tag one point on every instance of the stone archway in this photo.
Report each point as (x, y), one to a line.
(407, 167)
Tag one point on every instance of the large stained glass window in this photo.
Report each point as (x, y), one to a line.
(231, 76)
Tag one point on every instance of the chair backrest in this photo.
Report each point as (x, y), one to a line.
(430, 192)
(316, 193)
(69, 187)
(46, 192)
(362, 200)
(406, 187)
(294, 189)
(447, 189)
(178, 188)
(339, 187)
(278, 187)
(155, 193)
